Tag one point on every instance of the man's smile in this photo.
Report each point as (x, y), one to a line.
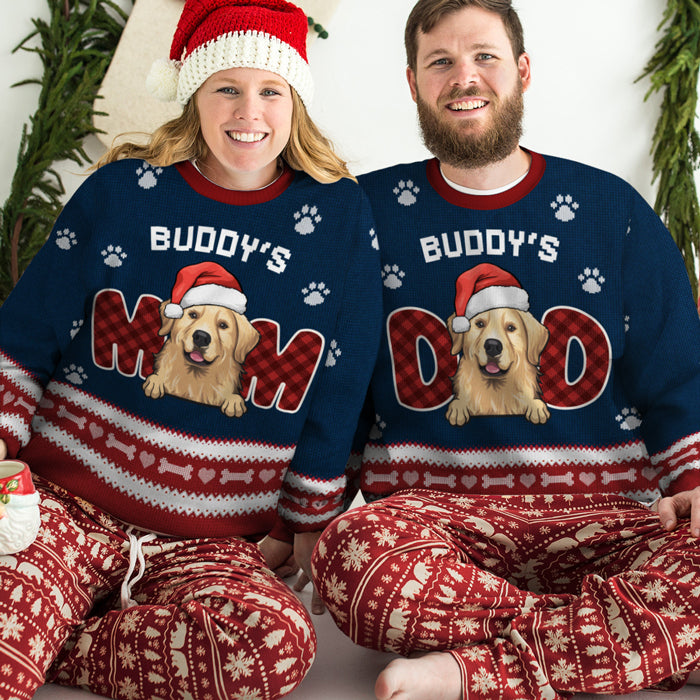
(467, 106)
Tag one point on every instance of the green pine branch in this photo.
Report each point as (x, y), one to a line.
(674, 70)
(75, 47)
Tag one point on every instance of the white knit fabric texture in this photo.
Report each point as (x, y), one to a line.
(20, 524)
(245, 50)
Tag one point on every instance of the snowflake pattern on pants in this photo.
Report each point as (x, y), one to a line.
(210, 621)
(534, 596)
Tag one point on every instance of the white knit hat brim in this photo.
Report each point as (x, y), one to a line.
(497, 298)
(245, 50)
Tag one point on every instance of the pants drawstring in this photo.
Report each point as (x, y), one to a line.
(135, 554)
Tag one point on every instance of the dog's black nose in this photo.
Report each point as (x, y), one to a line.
(493, 347)
(201, 339)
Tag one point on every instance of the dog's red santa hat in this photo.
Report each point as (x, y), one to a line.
(483, 288)
(205, 283)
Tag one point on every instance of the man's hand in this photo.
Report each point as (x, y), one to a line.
(681, 505)
(3, 449)
(304, 543)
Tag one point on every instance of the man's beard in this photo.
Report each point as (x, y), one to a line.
(455, 145)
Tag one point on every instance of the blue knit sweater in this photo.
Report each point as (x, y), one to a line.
(217, 435)
(572, 363)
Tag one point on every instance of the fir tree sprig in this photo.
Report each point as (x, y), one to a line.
(674, 69)
(318, 28)
(75, 46)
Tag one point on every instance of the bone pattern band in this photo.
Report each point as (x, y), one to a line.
(489, 481)
(548, 479)
(165, 466)
(629, 475)
(63, 412)
(433, 480)
(227, 476)
(391, 478)
(128, 450)
(21, 402)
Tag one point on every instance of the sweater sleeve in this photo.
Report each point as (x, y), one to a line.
(661, 363)
(314, 488)
(40, 317)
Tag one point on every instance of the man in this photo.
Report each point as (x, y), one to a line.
(533, 463)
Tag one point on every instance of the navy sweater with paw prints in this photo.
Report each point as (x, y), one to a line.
(573, 361)
(223, 436)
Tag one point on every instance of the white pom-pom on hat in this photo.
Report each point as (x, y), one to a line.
(461, 324)
(173, 311)
(162, 79)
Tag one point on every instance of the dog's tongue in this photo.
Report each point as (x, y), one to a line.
(492, 368)
(196, 357)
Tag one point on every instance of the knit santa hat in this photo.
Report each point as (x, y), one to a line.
(215, 35)
(482, 288)
(205, 283)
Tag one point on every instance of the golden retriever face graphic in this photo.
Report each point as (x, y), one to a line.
(202, 358)
(498, 368)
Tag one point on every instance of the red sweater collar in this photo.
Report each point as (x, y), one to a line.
(205, 187)
(487, 201)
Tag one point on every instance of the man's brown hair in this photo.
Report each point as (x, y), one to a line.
(427, 13)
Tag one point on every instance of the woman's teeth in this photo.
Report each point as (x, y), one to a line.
(245, 136)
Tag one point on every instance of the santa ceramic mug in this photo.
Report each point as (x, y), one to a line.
(19, 507)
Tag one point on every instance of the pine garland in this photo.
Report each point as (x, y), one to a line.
(674, 69)
(76, 47)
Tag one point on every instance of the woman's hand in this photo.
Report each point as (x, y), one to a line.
(279, 556)
(286, 559)
(304, 543)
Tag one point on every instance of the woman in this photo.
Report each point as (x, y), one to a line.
(187, 357)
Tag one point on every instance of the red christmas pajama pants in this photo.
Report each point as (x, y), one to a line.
(210, 621)
(534, 596)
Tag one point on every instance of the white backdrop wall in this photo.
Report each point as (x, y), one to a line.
(583, 102)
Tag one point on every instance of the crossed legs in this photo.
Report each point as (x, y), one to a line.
(531, 596)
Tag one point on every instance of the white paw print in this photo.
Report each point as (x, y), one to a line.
(377, 430)
(66, 239)
(315, 293)
(564, 207)
(148, 175)
(77, 325)
(592, 280)
(113, 256)
(373, 237)
(392, 276)
(627, 323)
(406, 192)
(75, 374)
(629, 419)
(334, 352)
(306, 219)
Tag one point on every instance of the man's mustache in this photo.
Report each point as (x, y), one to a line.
(458, 93)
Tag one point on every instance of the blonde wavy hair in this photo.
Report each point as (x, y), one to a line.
(181, 139)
